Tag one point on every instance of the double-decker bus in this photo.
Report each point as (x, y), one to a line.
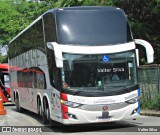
(77, 65)
(4, 83)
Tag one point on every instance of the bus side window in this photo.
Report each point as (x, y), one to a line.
(54, 72)
(39, 78)
(49, 28)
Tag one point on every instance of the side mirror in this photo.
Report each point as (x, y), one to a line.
(57, 53)
(149, 49)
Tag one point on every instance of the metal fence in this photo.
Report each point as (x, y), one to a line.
(149, 81)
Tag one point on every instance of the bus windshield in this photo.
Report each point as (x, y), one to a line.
(104, 72)
(92, 27)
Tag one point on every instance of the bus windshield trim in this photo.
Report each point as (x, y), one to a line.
(91, 49)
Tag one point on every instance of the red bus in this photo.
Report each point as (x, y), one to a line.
(4, 83)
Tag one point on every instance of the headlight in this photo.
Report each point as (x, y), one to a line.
(133, 100)
(71, 104)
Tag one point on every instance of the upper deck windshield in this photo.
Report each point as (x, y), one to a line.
(92, 73)
(92, 27)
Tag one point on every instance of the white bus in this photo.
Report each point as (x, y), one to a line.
(77, 65)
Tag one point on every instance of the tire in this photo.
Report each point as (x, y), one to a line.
(46, 114)
(39, 108)
(19, 109)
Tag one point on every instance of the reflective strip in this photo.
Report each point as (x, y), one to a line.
(64, 96)
(64, 111)
(139, 109)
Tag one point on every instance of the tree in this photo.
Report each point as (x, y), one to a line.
(8, 22)
(16, 16)
(144, 19)
(143, 15)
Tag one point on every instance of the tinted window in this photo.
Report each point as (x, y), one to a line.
(99, 72)
(92, 27)
(31, 38)
(54, 72)
(49, 27)
(34, 78)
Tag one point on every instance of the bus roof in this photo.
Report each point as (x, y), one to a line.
(84, 8)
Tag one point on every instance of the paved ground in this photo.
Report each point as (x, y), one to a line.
(139, 126)
(150, 113)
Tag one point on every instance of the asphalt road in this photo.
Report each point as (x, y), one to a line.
(142, 125)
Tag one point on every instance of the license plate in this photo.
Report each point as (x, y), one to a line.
(104, 119)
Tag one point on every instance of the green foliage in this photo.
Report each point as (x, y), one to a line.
(151, 104)
(98, 3)
(3, 59)
(143, 15)
(7, 23)
(15, 17)
(144, 19)
(68, 3)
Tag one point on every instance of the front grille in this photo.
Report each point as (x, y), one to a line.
(100, 107)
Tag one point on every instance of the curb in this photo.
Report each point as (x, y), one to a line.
(150, 113)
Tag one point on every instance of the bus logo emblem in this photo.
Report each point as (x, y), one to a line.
(105, 108)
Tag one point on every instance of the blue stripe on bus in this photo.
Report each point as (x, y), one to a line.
(139, 109)
(139, 92)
